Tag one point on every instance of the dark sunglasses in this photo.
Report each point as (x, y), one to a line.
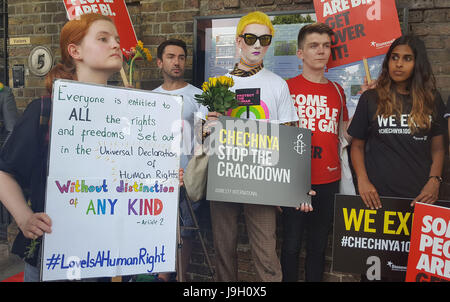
(251, 39)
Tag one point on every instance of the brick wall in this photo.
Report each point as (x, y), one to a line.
(155, 21)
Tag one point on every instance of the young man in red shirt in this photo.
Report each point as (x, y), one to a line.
(319, 105)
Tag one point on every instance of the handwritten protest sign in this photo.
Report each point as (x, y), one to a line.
(112, 186)
(116, 9)
(259, 163)
(429, 258)
(363, 28)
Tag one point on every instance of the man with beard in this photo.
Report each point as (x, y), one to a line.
(171, 59)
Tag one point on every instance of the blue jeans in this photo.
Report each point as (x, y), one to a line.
(32, 273)
(317, 225)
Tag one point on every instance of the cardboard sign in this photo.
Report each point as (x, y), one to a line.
(112, 185)
(363, 28)
(371, 242)
(116, 9)
(259, 163)
(248, 96)
(429, 258)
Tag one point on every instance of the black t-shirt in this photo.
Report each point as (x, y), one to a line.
(25, 158)
(397, 162)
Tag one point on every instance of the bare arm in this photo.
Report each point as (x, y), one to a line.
(366, 189)
(430, 192)
(346, 135)
(33, 225)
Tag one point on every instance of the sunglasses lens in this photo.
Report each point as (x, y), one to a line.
(250, 39)
(265, 40)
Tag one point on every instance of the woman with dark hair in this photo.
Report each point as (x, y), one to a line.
(398, 129)
(90, 53)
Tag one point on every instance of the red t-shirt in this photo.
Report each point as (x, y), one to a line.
(319, 108)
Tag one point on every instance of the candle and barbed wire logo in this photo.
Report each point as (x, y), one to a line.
(299, 145)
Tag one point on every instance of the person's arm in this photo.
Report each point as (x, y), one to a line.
(366, 86)
(430, 192)
(17, 160)
(346, 120)
(366, 189)
(347, 136)
(32, 225)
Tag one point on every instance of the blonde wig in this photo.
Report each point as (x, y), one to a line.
(254, 18)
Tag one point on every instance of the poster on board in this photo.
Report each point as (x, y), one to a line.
(116, 9)
(371, 242)
(429, 257)
(258, 162)
(220, 56)
(112, 185)
(363, 28)
(374, 243)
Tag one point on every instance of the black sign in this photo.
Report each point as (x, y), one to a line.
(259, 163)
(374, 243)
(249, 96)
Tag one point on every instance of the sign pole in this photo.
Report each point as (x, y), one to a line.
(366, 68)
(124, 77)
(179, 267)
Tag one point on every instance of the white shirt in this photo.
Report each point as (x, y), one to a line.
(190, 109)
(276, 103)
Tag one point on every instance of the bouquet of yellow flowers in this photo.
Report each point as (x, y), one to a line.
(137, 52)
(217, 96)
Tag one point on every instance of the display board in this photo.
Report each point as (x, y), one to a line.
(115, 9)
(258, 162)
(362, 29)
(373, 242)
(215, 51)
(429, 256)
(112, 185)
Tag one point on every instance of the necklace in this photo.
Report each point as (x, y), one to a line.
(251, 66)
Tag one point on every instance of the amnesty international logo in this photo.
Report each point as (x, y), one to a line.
(396, 267)
(299, 145)
(380, 45)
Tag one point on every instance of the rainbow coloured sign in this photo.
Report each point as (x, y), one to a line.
(258, 112)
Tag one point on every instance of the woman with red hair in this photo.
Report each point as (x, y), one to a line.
(90, 53)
